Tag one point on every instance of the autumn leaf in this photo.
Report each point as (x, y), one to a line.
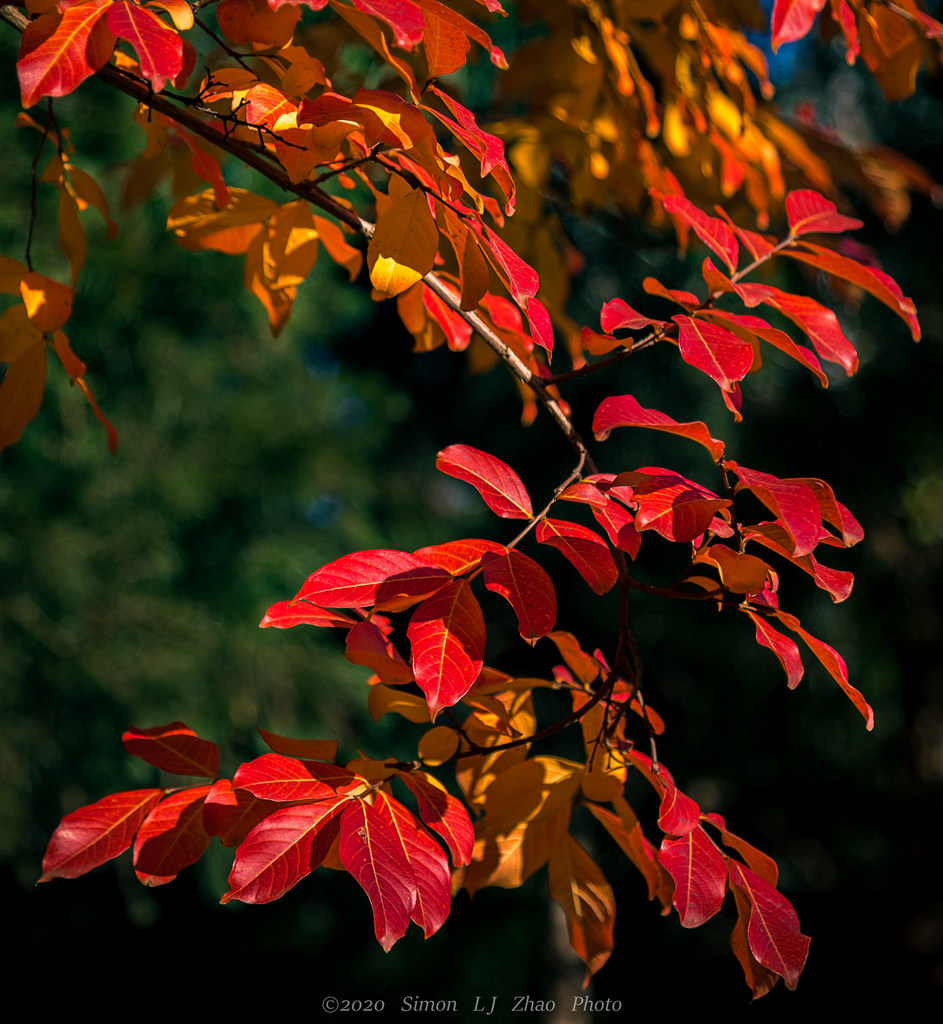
(447, 633)
(528, 588)
(585, 550)
(773, 928)
(372, 852)
(625, 411)
(792, 20)
(96, 833)
(173, 748)
(276, 854)
(498, 484)
(428, 866)
(581, 889)
(391, 579)
(172, 836)
(159, 48)
(56, 56)
(699, 873)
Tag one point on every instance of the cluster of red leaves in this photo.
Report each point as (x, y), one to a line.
(285, 816)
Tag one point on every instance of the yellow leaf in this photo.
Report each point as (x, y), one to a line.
(382, 699)
(198, 224)
(404, 245)
(527, 813)
(438, 744)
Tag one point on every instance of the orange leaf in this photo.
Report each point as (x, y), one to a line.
(581, 889)
(48, 303)
(21, 389)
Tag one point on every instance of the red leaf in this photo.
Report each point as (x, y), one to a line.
(541, 329)
(808, 212)
(276, 854)
(834, 663)
(173, 748)
(712, 231)
(834, 582)
(620, 528)
(717, 352)
(172, 836)
(94, 834)
(522, 582)
(366, 645)
(700, 876)
(390, 579)
(625, 411)
(618, 314)
(792, 20)
(674, 507)
(586, 551)
(784, 648)
(443, 814)
(159, 48)
(747, 327)
(791, 501)
(678, 813)
(834, 512)
(370, 850)
(447, 634)
(285, 779)
(773, 931)
(64, 57)
(459, 556)
(231, 813)
(428, 865)
(489, 150)
(314, 750)
(402, 16)
(819, 323)
(687, 300)
(498, 484)
(285, 614)
(882, 286)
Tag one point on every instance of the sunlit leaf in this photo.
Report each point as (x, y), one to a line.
(392, 579)
(447, 634)
(371, 851)
(581, 889)
(498, 484)
(96, 833)
(56, 56)
(173, 748)
(172, 836)
(586, 551)
(700, 876)
(528, 588)
(625, 411)
(773, 930)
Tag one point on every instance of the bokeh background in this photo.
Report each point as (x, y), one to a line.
(131, 586)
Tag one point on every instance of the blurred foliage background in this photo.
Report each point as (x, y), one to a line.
(130, 588)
